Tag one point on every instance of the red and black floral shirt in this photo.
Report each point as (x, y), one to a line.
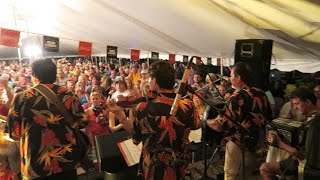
(47, 144)
(249, 108)
(164, 137)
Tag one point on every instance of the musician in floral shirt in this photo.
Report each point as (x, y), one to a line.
(243, 123)
(164, 137)
(47, 144)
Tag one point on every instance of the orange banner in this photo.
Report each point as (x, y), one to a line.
(9, 37)
(172, 58)
(135, 55)
(85, 48)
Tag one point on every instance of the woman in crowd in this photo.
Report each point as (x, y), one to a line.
(106, 83)
(6, 95)
(97, 116)
(80, 92)
(131, 87)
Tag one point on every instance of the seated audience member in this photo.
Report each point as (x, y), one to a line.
(97, 116)
(95, 81)
(120, 95)
(144, 75)
(61, 78)
(80, 92)
(137, 86)
(102, 98)
(71, 85)
(22, 84)
(134, 74)
(6, 95)
(106, 83)
(307, 151)
(131, 87)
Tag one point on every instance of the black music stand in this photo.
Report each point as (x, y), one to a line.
(110, 158)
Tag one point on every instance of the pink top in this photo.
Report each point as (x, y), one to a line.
(3, 110)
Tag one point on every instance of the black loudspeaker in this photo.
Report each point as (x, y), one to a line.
(109, 156)
(257, 53)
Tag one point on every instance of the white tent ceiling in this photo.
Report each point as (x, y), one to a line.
(206, 28)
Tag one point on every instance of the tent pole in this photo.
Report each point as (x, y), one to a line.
(221, 67)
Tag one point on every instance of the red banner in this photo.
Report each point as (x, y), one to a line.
(218, 61)
(9, 37)
(172, 58)
(85, 48)
(135, 55)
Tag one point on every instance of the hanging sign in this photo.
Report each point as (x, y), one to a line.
(154, 55)
(112, 51)
(50, 44)
(172, 58)
(135, 55)
(185, 59)
(218, 61)
(9, 37)
(85, 48)
(209, 61)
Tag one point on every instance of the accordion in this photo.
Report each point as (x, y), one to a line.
(290, 131)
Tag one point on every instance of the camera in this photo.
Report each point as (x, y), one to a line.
(98, 111)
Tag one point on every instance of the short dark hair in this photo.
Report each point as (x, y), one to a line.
(164, 74)
(97, 77)
(244, 71)
(304, 94)
(45, 70)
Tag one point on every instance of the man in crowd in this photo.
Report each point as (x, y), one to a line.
(21, 85)
(303, 100)
(243, 122)
(95, 81)
(47, 146)
(61, 78)
(164, 137)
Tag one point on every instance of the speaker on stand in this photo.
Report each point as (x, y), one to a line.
(257, 53)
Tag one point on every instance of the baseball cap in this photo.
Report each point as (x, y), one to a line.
(5, 77)
(118, 78)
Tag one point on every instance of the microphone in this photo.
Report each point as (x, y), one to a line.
(181, 89)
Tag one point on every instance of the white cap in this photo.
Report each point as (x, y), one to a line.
(5, 76)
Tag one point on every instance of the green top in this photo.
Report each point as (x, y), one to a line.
(312, 146)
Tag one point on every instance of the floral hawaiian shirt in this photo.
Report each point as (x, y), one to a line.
(47, 144)
(164, 137)
(249, 108)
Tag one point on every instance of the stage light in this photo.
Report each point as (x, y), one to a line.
(32, 51)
